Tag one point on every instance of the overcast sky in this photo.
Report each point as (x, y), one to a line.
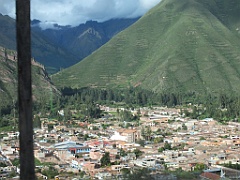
(75, 12)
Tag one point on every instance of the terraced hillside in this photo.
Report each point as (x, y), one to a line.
(187, 45)
(42, 86)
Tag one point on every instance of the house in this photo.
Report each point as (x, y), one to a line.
(91, 168)
(72, 147)
(146, 162)
(209, 176)
(117, 167)
(63, 154)
(77, 163)
(103, 175)
(172, 165)
(159, 120)
(131, 135)
(96, 154)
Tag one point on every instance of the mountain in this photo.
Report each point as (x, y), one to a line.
(187, 45)
(43, 88)
(63, 46)
(43, 50)
(82, 40)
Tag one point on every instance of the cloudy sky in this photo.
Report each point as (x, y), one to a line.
(75, 12)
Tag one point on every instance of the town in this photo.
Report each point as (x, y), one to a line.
(162, 140)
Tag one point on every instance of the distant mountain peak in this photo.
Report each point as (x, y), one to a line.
(90, 31)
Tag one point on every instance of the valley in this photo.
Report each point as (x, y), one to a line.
(144, 97)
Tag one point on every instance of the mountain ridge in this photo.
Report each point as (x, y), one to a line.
(41, 83)
(60, 48)
(43, 50)
(175, 46)
(82, 40)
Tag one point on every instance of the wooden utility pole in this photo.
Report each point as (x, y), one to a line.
(25, 90)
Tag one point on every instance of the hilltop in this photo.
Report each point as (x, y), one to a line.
(187, 45)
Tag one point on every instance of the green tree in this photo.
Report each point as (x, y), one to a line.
(85, 137)
(158, 140)
(16, 162)
(141, 142)
(122, 153)
(137, 152)
(125, 171)
(143, 133)
(105, 160)
(117, 156)
(126, 115)
(167, 146)
(161, 149)
(139, 174)
(51, 172)
(148, 132)
(199, 167)
(4, 122)
(184, 127)
(2, 164)
(37, 122)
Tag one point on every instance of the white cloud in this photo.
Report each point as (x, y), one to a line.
(7, 7)
(75, 12)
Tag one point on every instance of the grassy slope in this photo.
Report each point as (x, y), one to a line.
(8, 81)
(178, 45)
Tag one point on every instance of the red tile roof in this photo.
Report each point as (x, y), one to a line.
(210, 176)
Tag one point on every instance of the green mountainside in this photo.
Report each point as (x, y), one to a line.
(82, 40)
(179, 45)
(43, 89)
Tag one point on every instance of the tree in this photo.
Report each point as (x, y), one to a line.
(148, 132)
(143, 133)
(51, 172)
(105, 160)
(125, 171)
(37, 122)
(141, 142)
(184, 127)
(167, 146)
(122, 153)
(117, 156)
(137, 152)
(158, 140)
(139, 174)
(85, 137)
(16, 162)
(4, 122)
(104, 126)
(161, 149)
(67, 114)
(199, 167)
(92, 110)
(2, 164)
(126, 115)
